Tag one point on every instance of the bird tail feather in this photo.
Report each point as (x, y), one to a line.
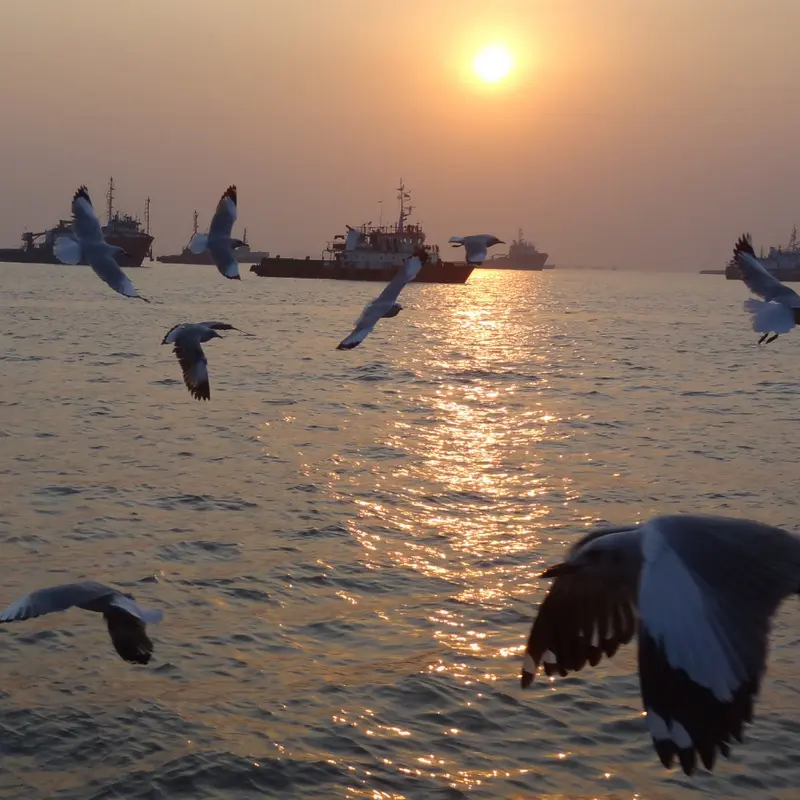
(199, 243)
(769, 317)
(67, 250)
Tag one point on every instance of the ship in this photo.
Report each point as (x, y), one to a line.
(121, 230)
(244, 255)
(370, 253)
(783, 261)
(522, 254)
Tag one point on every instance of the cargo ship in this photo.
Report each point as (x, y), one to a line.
(370, 253)
(121, 230)
(783, 261)
(244, 255)
(522, 254)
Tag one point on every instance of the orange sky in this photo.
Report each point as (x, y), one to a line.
(633, 132)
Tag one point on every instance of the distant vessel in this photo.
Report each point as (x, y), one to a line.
(121, 230)
(782, 262)
(244, 255)
(522, 254)
(370, 253)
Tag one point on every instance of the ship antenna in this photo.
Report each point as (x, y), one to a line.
(194, 222)
(110, 199)
(402, 196)
(147, 216)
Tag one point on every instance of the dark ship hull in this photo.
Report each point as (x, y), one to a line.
(440, 272)
(791, 275)
(534, 261)
(137, 248)
(188, 257)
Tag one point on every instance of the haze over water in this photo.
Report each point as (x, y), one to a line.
(627, 133)
(346, 544)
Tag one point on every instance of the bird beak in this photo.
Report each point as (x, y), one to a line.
(558, 570)
(499, 241)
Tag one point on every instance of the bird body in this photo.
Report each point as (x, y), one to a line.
(385, 305)
(476, 247)
(87, 241)
(218, 240)
(125, 620)
(779, 311)
(700, 593)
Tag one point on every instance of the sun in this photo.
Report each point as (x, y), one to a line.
(492, 63)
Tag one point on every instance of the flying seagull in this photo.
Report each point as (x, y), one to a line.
(476, 246)
(218, 239)
(187, 338)
(701, 591)
(779, 311)
(385, 305)
(87, 241)
(126, 621)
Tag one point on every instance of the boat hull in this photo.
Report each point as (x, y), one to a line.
(136, 248)
(204, 258)
(440, 272)
(783, 275)
(534, 262)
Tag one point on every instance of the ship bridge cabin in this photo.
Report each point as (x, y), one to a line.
(378, 247)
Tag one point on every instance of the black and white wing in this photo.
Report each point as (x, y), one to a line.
(194, 366)
(219, 235)
(85, 223)
(708, 589)
(758, 279)
(582, 618)
(55, 598)
(128, 635)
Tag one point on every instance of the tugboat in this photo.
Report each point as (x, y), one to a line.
(244, 255)
(522, 254)
(370, 253)
(121, 230)
(782, 262)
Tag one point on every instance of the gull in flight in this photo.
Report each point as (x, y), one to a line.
(700, 592)
(126, 621)
(87, 241)
(476, 246)
(187, 338)
(218, 239)
(779, 311)
(385, 305)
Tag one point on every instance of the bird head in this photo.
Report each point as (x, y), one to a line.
(492, 240)
(612, 553)
(393, 311)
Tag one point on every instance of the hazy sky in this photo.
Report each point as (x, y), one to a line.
(632, 132)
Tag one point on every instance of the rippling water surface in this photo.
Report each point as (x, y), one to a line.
(346, 544)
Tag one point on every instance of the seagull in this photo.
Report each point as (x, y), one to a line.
(385, 305)
(187, 338)
(475, 246)
(87, 241)
(779, 311)
(701, 591)
(125, 619)
(218, 239)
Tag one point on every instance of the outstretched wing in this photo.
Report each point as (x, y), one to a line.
(84, 221)
(224, 216)
(56, 598)
(708, 589)
(758, 279)
(195, 368)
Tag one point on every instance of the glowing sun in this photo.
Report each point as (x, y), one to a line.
(493, 63)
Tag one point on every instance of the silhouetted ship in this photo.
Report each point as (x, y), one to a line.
(522, 254)
(782, 262)
(244, 255)
(121, 230)
(370, 253)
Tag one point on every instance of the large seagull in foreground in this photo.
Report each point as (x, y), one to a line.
(126, 621)
(87, 241)
(385, 305)
(218, 240)
(779, 311)
(699, 593)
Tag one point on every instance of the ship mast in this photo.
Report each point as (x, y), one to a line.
(147, 226)
(110, 199)
(402, 196)
(194, 222)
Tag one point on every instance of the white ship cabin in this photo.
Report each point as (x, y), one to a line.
(370, 247)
